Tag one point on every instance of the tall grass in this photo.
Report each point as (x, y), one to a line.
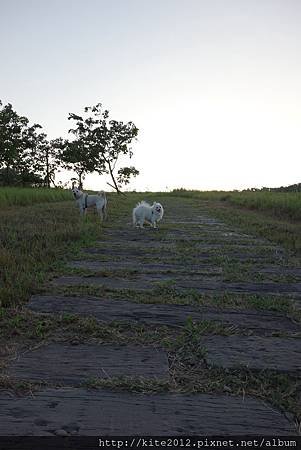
(280, 204)
(10, 196)
(33, 240)
(283, 205)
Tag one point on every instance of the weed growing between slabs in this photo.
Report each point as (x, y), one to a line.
(40, 239)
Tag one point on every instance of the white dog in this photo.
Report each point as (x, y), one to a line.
(85, 201)
(143, 212)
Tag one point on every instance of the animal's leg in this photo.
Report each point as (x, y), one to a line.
(141, 220)
(99, 212)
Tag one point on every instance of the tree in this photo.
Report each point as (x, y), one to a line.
(13, 141)
(76, 155)
(46, 160)
(98, 145)
(26, 156)
(125, 173)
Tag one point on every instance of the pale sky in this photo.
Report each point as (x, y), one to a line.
(213, 85)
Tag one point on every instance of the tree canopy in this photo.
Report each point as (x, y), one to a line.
(96, 144)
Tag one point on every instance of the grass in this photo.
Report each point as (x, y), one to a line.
(283, 205)
(40, 238)
(279, 204)
(12, 196)
(261, 223)
(189, 372)
(171, 296)
(35, 239)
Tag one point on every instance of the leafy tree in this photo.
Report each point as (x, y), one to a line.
(99, 143)
(46, 160)
(76, 155)
(13, 137)
(125, 173)
(26, 156)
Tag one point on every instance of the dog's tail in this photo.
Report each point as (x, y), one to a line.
(142, 203)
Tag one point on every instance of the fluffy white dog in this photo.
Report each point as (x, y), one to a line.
(85, 201)
(144, 212)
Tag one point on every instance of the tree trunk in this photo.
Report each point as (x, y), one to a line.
(80, 179)
(112, 176)
(47, 169)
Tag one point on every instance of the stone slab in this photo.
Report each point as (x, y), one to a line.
(200, 284)
(175, 246)
(204, 269)
(105, 413)
(139, 255)
(135, 244)
(158, 314)
(254, 352)
(280, 270)
(146, 267)
(74, 364)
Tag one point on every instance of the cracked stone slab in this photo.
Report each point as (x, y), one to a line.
(200, 284)
(101, 412)
(204, 269)
(140, 282)
(138, 254)
(280, 270)
(176, 246)
(146, 267)
(158, 314)
(176, 234)
(75, 364)
(135, 244)
(122, 252)
(254, 352)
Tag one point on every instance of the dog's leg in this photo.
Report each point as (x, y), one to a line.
(142, 220)
(99, 212)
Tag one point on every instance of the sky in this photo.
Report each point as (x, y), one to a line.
(214, 86)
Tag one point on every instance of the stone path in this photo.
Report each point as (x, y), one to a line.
(156, 314)
(53, 362)
(191, 252)
(282, 354)
(150, 281)
(103, 413)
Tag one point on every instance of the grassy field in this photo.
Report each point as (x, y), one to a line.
(10, 196)
(273, 215)
(37, 240)
(283, 205)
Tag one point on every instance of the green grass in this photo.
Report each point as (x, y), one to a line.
(279, 204)
(260, 223)
(273, 215)
(10, 196)
(40, 238)
(283, 205)
(35, 240)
